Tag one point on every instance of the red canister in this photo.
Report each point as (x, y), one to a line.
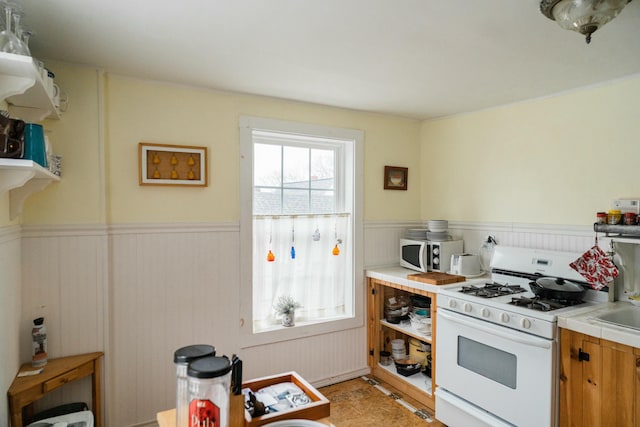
(629, 218)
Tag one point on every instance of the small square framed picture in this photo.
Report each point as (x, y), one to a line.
(162, 164)
(395, 178)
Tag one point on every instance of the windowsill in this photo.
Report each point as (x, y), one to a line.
(299, 324)
(302, 329)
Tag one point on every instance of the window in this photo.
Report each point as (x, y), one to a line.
(300, 226)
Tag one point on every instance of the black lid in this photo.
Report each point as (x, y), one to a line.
(39, 321)
(209, 367)
(193, 352)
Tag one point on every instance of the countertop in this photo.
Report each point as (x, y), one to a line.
(586, 323)
(397, 274)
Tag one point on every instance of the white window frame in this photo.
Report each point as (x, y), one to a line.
(354, 158)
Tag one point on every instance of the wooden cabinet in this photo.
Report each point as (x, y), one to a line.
(24, 391)
(599, 382)
(380, 333)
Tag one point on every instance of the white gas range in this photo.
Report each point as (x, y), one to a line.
(497, 342)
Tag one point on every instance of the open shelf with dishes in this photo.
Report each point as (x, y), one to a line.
(419, 380)
(22, 178)
(383, 328)
(406, 329)
(22, 86)
(29, 99)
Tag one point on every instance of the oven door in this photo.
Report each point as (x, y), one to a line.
(508, 373)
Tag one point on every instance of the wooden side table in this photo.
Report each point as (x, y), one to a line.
(57, 372)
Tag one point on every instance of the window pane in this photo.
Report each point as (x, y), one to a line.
(322, 169)
(295, 170)
(296, 201)
(267, 201)
(323, 201)
(267, 165)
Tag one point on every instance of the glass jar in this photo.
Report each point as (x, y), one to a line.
(629, 218)
(209, 391)
(601, 218)
(614, 216)
(181, 358)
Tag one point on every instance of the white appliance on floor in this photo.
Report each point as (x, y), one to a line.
(74, 419)
(498, 360)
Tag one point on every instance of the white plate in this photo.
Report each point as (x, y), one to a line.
(468, 276)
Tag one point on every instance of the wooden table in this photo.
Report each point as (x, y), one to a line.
(57, 372)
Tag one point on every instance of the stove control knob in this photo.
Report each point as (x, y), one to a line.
(452, 303)
(525, 323)
(467, 307)
(504, 317)
(436, 250)
(485, 312)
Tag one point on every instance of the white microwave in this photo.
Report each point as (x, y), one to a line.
(425, 255)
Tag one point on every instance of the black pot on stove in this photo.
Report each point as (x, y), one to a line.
(555, 288)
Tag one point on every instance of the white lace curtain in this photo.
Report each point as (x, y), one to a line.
(312, 274)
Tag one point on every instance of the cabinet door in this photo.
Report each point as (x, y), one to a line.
(618, 385)
(636, 352)
(598, 382)
(374, 311)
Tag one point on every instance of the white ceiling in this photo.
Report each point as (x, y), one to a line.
(413, 58)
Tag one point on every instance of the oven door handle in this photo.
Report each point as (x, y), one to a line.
(498, 331)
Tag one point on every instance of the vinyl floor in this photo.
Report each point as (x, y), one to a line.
(359, 403)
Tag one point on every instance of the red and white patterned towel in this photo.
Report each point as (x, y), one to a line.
(595, 266)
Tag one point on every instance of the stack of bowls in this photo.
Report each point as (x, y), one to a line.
(420, 321)
(397, 309)
(438, 230)
(417, 233)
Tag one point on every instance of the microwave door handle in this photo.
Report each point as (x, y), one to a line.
(498, 331)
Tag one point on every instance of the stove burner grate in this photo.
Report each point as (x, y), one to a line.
(539, 304)
(492, 290)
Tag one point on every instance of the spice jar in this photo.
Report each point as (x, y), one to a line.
(601, 218)
(614, 216)
(629, 218)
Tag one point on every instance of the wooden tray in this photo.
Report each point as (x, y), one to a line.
(436, 278)
(317, 409)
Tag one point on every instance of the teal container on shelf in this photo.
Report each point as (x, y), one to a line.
(34, 146)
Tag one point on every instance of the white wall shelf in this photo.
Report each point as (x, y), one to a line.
(22, 86)
(22, 178)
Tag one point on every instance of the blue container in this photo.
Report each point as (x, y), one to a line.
(34, 148)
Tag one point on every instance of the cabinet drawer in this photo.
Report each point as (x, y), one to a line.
(74, 374)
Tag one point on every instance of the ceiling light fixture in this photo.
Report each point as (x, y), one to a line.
(583, 16)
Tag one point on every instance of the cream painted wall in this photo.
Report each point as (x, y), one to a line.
(79, 196)
(4, 210)
(555, 160)
(154, 112)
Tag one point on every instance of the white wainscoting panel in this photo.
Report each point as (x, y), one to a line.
(10, 305)
(139, 292)
(382, 241)
(169, 289)
(64, 280)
